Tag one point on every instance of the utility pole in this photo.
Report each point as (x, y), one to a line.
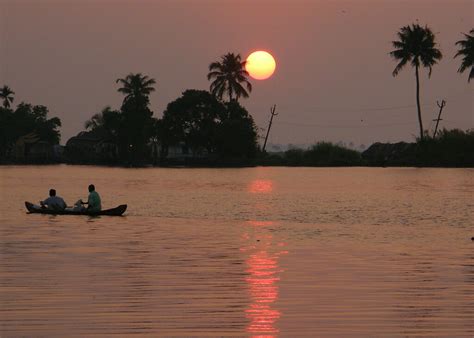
(441, 106)
(272, 114)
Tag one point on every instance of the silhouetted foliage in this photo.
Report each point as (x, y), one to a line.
(321, 154)
(236, 134)
(202, 123)
(26, 119)
(466, 50)
(451, 148)
(193, 119)
(328, 154)
(136, 123)
(229, 74)
(128, 130)
(108, 119)
(6, 94)
(416, 45)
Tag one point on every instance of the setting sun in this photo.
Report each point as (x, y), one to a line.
(260, 65)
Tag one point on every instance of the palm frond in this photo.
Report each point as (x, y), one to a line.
(228, 74)
(466, 51)
(400, 66)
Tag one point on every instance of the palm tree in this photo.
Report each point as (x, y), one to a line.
(467, 51)
(107, 119)
(136, 86)
(417, 46)
(95, 122)
(229, 75)
(6, 94)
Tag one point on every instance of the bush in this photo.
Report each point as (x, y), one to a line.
(322, 154)
(451, 148)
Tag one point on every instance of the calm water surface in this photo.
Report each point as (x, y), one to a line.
(263, 252)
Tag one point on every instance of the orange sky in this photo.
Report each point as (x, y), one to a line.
(333, 79)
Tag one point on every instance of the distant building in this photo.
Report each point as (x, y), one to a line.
(95, 146)
(181, 154)
(30, 148)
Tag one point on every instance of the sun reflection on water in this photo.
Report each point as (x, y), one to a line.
(261, 186)
(264, 275)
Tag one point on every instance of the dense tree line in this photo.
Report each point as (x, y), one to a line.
(213, 122)
(321, 154)
(202, 122)
(450, 148)
(24, 123)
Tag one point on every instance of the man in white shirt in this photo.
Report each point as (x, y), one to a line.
(53, 202)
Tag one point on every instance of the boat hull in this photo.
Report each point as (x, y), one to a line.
(118, 211)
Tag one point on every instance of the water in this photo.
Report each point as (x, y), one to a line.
(262, 252)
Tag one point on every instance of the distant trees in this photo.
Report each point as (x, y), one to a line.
(416, 45)
(108, 119)
(237, 135)
(321, 154)
(451, 148)
(136, 123)
(23, 120)
(211, 129)
(130, 128)
(136, 87)
(466, 50)
(6, 94)
(202, 123)
(230, 77)
(192, 119)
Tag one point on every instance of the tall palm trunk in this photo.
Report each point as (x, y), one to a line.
(418, 102)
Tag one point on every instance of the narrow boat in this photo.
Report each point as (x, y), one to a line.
(118, 211)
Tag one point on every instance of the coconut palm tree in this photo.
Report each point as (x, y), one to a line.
(229, 74)
(107, 118)
(136, 86)
(417, 46)
(467, 52)
(6, 94)
(95, 122)
(136, 121)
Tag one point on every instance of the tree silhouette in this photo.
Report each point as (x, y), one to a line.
(230, 77)
(108, 118)
(193, 119)
(417, 46)
(466, 50)
(136, 86)
(6, 94)
(95, 122)
(136, 124)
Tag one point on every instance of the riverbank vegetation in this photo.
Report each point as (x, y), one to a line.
(27, 129)
(321, 154)
(450, 148)
(212, 128)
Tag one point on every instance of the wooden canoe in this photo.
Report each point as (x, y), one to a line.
(118, 211)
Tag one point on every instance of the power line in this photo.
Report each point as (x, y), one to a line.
(362, 110)
(337, 126)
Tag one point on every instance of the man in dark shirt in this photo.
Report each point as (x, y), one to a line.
(53, 202)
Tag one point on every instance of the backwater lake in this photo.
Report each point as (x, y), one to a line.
(257, 252)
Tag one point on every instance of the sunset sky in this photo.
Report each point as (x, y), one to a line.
(333, 79)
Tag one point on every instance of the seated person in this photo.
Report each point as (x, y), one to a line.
(53, 202)
(93, 201)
